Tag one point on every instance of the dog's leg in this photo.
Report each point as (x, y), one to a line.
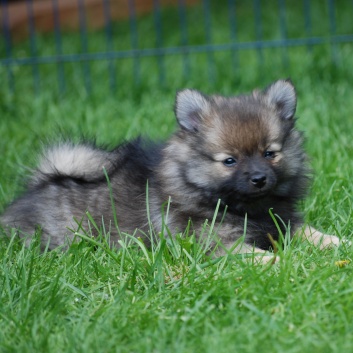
(251, 253)
(319, 239)
(259, 256)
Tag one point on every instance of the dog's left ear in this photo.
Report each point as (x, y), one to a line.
(282, 94)
(190, 106)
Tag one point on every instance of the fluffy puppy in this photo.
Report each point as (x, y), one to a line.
(242, 155)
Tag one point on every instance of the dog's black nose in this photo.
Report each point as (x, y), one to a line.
(258, 180)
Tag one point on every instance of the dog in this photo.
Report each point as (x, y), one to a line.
(235, 160)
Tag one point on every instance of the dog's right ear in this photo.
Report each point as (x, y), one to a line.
(282, 94)
(189, 108)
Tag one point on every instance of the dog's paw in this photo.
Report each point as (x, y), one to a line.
(262, 259)
(321, 240)
(267, 259)
(329, 241)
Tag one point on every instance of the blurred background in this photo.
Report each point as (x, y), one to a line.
(111, 45)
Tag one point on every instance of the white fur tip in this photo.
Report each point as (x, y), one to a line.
(73, 160)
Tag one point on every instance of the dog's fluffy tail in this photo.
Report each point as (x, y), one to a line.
(81, 161)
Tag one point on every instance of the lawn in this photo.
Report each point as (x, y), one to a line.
(173, 298)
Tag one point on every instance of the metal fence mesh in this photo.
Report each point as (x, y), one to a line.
(55, 33)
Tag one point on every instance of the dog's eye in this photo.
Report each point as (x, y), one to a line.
(269, 154)
(230, 162)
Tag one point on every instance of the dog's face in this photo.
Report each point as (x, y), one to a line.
(238, 148)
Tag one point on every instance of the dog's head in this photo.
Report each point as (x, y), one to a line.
(242, 147)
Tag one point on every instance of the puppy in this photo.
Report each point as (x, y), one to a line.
(233, 159)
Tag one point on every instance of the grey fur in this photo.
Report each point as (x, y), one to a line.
(193, 169)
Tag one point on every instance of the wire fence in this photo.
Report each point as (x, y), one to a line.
(36, 33)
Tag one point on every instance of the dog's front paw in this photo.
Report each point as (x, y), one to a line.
(328, 241)
(321, 240)
(265, 258)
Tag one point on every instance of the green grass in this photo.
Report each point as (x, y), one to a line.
(171, 298)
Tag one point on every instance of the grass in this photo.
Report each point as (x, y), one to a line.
(171, 298)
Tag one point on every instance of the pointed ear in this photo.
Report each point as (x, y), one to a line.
(282, 94)
(189, 105)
